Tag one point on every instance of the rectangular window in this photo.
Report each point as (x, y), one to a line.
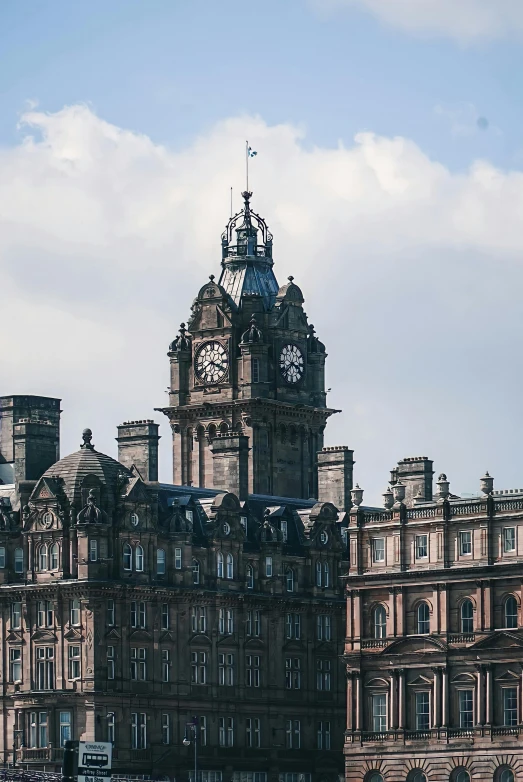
(509, 539)
(43, 736)
(422, 546)
(226, 670)
(110, 615)
(379, 713)
(15, 665)
(198, 619)
(293, 734)
(111, 727)
(74, 662)
(323, 740)
(465, 543)
(268, 567)
(284, 530)
(253, 623)
(225, 621)
(323, 675)
(138, 614)
(203, 732)
(378, 550)
(16, 615)
(323, 627)
(252, 670)
(293, 626)
(45, 667)
(93, 550)
(138, 730)
(189, 515)
(166, 665)
(138, 664)
(253, 732)
(74, 613)
(466, 708)
(177, 559)
(110, 662)
(2, 556)
(199, 667)
(243, 523)
(255, 370)
(510, 706)
(165, 616)
(45, 613)
(422, 711)
(226, 731)
(166, 728)
(293, 673)
(66, 733)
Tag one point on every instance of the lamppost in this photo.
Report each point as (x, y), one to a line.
(191, 735)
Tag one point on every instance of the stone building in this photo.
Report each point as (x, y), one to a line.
(135, 611)
(434, 646)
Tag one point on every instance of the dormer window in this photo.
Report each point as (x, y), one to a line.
(54, 557)
(284, 530)
(93, 550)
(42, 557)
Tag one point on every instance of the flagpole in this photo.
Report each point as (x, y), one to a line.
(231, 201)
(247, 164)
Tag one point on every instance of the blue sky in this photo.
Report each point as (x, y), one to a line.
(122, 127)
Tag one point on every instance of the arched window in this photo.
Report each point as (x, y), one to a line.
(467, 620)
(250, 577)
(380, 622)
(219, 564)
(289, 579)
(461, 775)
(318, 573)
(19, 560)
(326, 574)
(511, 612)
(195, 571)
(127, 557)
(375, 776)
(42, 557)
(416, 776)
(230, 566)
(54, 557)
(160, 562)
(423, 619)
(506, 775)
(138, 558)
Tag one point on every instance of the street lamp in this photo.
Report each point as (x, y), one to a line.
(191, 735)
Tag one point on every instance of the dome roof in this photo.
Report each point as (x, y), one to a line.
(75, 467)
(291, 292)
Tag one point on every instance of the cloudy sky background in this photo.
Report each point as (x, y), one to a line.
(389, 168)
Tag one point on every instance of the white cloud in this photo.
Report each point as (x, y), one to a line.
(412, 276)
(464, 20)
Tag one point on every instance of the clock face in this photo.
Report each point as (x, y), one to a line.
(211, 363)
(292, 365)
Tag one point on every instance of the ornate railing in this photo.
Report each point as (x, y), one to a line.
(422, 513)
(375, 643)
(462, 638)
(460, 733)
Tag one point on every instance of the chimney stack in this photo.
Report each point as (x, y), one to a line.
(335, 469)
(138, 445)
(415, 473)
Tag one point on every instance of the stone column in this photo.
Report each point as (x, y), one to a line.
(487, 605)
(444, 608)
(350, 701)
(488, 699)
(444, 698)
(356, 602)
(357, 676)
(436, 695)
(401, 700)
(480, 614)
(435, 621)
(393, 724)
(480, 695)
(391, 624)
(400, 612)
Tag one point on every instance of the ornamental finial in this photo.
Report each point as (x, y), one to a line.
(87, 436)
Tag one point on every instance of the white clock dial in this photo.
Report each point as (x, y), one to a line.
(292, 364)
(211, 363)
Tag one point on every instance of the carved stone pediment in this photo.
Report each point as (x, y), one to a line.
(415, 644)
(44, 636)
(500, 640)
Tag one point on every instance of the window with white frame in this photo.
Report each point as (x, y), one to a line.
(422, 704)
(38, 733)
(253, 732)
(323, 735)
(138, 614)
(293, 673)
(111, 727)
(110, 613)
(467, 616)
(2, 557)
(511, 612)
(252, 670)
(423, 616)
(19, 560)
(226, 731)
(509, 539)
(284, 530)
(226, 669)
(323, 675)
(219, 565)
(93, 550)
(250, 576)
(138, 559)
(127, 556)
(161, 562)
(379, 621)
(45, 667)
(138, 664)
(165, 616)
(166, 728)
(323, 627)
(177, 558)
(199, 667)
(15, 664)
(66, 732)
(268, 567)
(229, 562)
(253, 623)
(110, 662)
(74, 662)
(195, 571)
(378, 550)
(293, 734)
(225, 621)
(243, 523)
(74, 612)
(189, 515)
(289, 579)
(379, 712)
(203, 731)
(45, 613)
(465, 543)
(422, 546)
(16, 615)
(138, 730)
(166, 665)
(198, 619)
(510, 706)
(466, 708)
(293, 626)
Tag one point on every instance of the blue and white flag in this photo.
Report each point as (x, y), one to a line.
(251, 152)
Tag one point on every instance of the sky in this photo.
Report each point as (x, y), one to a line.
(389, 168)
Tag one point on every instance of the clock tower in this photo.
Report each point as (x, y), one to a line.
(247, 400)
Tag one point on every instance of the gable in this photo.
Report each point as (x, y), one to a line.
(113, 635)
(464, 678)
(73, 634)
(420, 681)
(508, 677)
(415, 644)
(499, 640)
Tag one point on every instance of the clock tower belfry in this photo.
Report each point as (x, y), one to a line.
(247, 400)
